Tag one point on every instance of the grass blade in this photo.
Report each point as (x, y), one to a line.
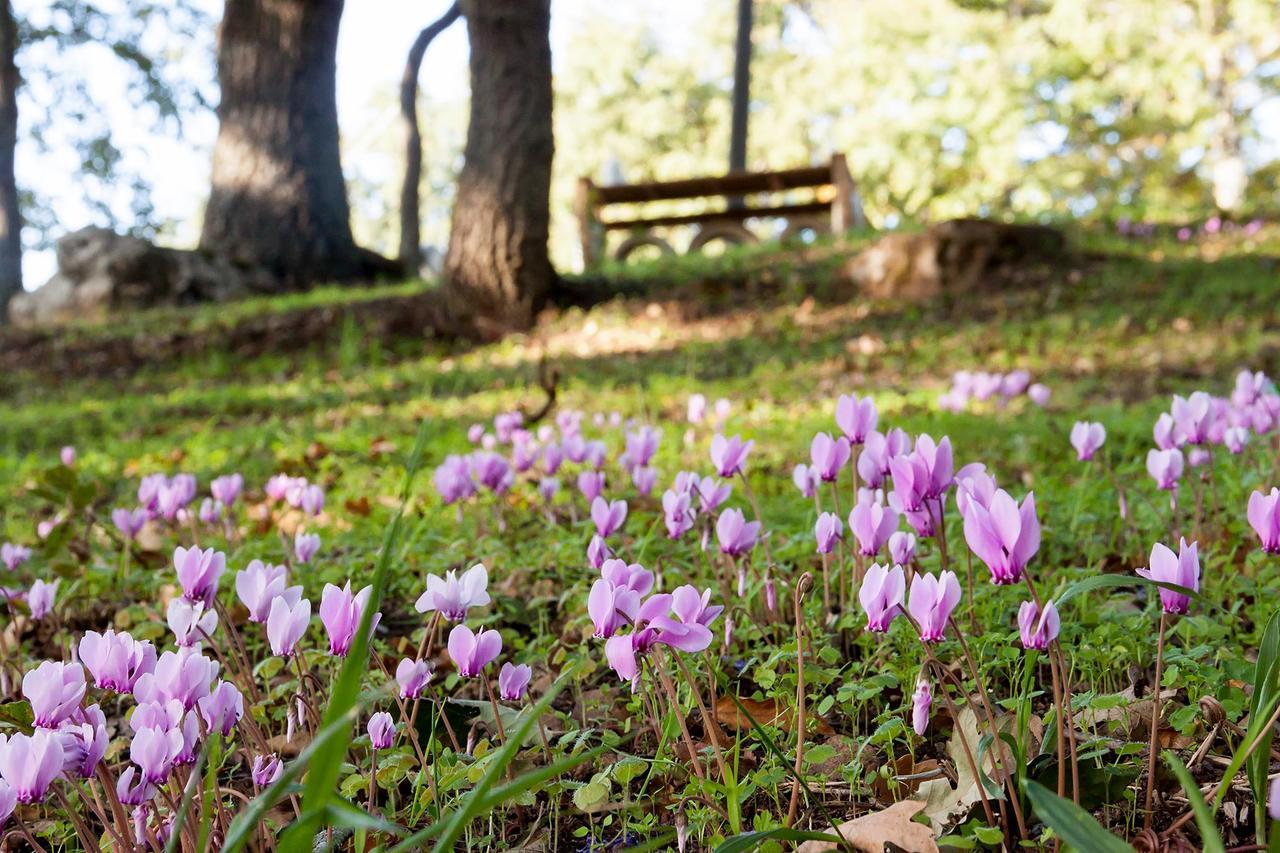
(1073, 824)
(1093, 582)
(322, 776)
(1265, 686)
(752, 840)
(1210, 840)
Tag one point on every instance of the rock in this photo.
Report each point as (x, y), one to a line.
(955, 257)
(100, 271)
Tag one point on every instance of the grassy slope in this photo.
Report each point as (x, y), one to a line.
(1149, 321)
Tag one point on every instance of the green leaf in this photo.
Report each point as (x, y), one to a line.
(1104, 581)
(1210, 840)
(590, 795)
(1073, 824)
(752, 840)
(1266, 684)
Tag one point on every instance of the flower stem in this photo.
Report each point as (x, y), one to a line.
(1155, 724)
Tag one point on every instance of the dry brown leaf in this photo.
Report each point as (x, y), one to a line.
(765, 713)
(358, 506)
(904, 766)
(944, 805)
(870, 832)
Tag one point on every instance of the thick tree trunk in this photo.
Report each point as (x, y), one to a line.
(497, 272)
(410, 221)
(278, 199)
(10, 215)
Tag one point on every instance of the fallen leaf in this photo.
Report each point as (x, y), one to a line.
(944, 805)
(871, 832)
(765, 713)
(381, 446)
(916, 774)
(358, 506)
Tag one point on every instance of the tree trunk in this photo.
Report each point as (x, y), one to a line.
(278, 199)
(497, 272)
(410, 222)
(10, 215)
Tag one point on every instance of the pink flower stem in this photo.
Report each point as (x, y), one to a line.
(712, 728)
(675, 709)
(1155, 724)
(802, 586)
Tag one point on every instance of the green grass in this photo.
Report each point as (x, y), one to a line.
(1113, 343)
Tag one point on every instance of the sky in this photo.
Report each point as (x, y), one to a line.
(373, 41)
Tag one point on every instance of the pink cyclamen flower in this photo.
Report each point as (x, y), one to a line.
(973, 483)
(190, 621)
(1165, 467)
(735, 534)
(41, 598)
(828, 530)
(1273, 800)
(185, 675)
(641, 445)
(413, 677)
(548, 487)
(8, 799)
(286, 623)
(607, 516)
(591, 484)
(266, 770)
(116, 661)
(513, 681)
(856, 417)
(911, 481)
(210, 511)
(696, 408)
(305, 546)
(129, 522)
(881, 595)
(453, 596)
(597, 552)
(222, 708)
(932, 599)
(226, 489)
(1039, 394)
(625, 651)
(687, 626)
(805, 479)
(1193, 416)
(1038, 628)
(611, 608)
(258, 584)
(711, 493)
(130, 794)
(341, 612)
(872, 525)
(829, 455)
(644, 479)
(198, 572)
(472, 652)
(1264, 517)
(312, 502)
(677, 513)
(902, 547)
(1087, 438)
(67, 455)
(631, 576)
(1235, 439)
(30, 764)
(936, 459)
(382, 730)
(492, 471)
(728, 455)
(1182, 569)
(596, 454)
(1166, 433)
(155, 751)
(14, 555)
(84, 742)
(54, 690)
(921, 702)
(1005, 536)
(452, 479)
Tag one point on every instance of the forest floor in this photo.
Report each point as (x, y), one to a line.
(339, 397)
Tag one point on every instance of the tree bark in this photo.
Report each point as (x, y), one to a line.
(410, 221)
(278, 199)
(497, 272)
(10, 215)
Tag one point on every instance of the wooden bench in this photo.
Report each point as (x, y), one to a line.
(834, 204)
